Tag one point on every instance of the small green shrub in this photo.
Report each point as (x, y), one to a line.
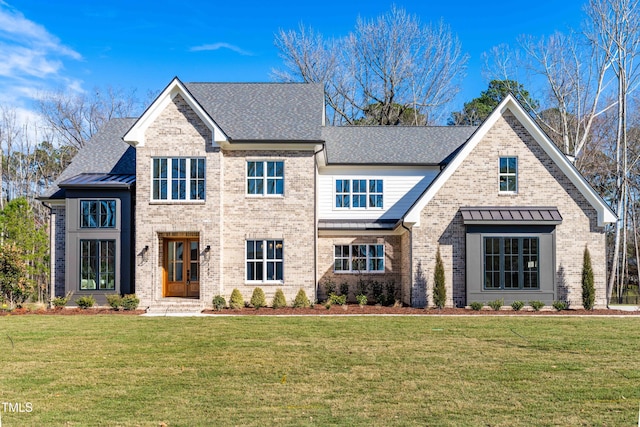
(329, 287)
(258, 298)
(86, 301)
(130, 302)
(219, 303)
(560, 305)
(439, 289)
(236, 301)
(344, 289)
(59, 302)
(517, 305)
(279, 299)
(377, 291)
(476, 306)
(114, 301)
(536, 305)
(301, 300)
(390, 288)
(362, 300)
(496, 304)
(361, 287)
(338, 299)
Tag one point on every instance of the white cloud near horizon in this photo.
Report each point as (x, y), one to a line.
(221, 45)
(32, 58)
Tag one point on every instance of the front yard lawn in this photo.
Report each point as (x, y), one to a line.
(449, 371)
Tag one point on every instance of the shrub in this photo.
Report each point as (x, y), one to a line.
(362, 300)
(496, 304)
(517, 305)
(377, 291)
(476, 306)
(390, 288)
(130, 302)
(329, 287)
(337, 299)
(114, 301)
(279, 300)
(14, 286)
(361, 287)
(236, 301)
(344, 289)
(219, 303)
(588, 288)
(560, 305)
(439, 290)
(86, 301)
(536, 305)
(301, 300)
(258, 299)
(60, 302)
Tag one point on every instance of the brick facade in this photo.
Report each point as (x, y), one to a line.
(540, 183)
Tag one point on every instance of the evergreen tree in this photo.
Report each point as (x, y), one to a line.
(439, 290)
(588, 288)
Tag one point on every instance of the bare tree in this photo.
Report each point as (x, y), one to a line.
(388, 71)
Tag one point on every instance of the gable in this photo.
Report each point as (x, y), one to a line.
(558, 165)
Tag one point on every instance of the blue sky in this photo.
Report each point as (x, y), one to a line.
(79, 45)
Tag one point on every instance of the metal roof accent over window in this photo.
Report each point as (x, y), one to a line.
(102, 180)
(354, 224)
(511, 215)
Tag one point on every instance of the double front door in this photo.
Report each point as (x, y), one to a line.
(181, 268)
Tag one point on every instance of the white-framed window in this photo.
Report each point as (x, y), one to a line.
(97, 214)
(358, 258)
(178, 178)
(265, 178)
(359, 193)
(264, 261)
(508, 174)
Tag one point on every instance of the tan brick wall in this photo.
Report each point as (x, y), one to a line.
(290, 218)
(393, 264)
(540, 183)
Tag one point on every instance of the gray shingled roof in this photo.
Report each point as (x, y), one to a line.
(105, 153)
(486, 214)
(395, 145)
(263, 111)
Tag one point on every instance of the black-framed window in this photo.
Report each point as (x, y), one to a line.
(265, 178)
(511, 263)
(264, 261)
(178, 178)
(97, 264)
(97, 213)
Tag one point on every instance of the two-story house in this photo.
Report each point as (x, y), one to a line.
(237, 185)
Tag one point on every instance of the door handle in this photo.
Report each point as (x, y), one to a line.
(188, 277)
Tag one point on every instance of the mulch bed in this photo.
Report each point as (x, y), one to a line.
(70, 311)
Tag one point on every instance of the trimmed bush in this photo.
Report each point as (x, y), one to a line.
(236, 301)
(130, 302)
(377, 291)
(517, 305)
(476, 306)
(439, 290)
(560, 305)
(588, 288)
(390, 289)
(536, 305)
(279, 300)
(114, 301)
(362, 300)
(219, 303)
(86, 301)
(59, 302)
(337, 299)
(258, 299)
(496, 304)
(301, 300)
(344, 289)
(329, 287)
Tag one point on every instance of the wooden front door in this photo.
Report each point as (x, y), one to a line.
(181, 268)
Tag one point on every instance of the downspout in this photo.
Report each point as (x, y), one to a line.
(315, 222)
(410, 261)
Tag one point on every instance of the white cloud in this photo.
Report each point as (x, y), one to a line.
(32, 58)
(221, 45)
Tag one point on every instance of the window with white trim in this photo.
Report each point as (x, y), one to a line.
(178, 178)
(358, 258)
(264, 260)
(359, 193)
(508, 174)
(265, 178)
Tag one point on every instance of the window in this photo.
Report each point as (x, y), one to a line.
(358, 258)
(511, 263)
(265, 178)
(97, 213)
(508, 174)
(178, 179)
(264, 260)
(359, 193)
(97, 264)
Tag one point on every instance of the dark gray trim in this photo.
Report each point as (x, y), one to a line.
(511, 215)
(355, 224)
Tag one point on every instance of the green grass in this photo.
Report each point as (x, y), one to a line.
(355, 371)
